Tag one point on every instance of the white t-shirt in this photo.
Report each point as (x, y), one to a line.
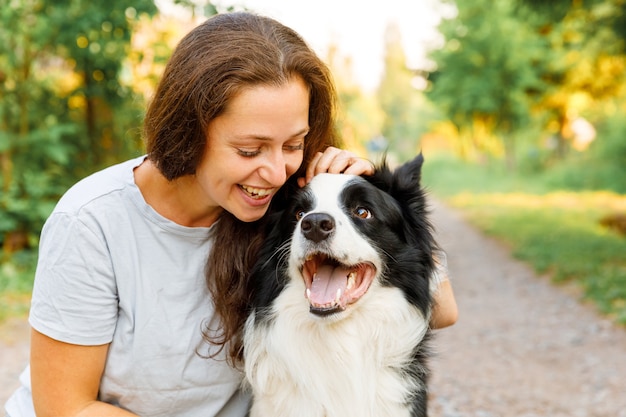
(112, 270)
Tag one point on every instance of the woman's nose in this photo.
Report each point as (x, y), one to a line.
(274, 169)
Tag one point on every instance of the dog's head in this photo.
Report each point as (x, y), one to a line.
(342, 235)
(354, 231)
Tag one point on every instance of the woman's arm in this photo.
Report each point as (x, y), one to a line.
(445, 312)
(65, 379)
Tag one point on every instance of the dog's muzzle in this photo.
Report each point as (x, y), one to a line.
(330, 284)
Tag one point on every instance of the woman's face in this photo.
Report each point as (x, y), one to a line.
(253, 147)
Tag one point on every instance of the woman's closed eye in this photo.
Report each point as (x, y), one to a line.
(294, 147)
(248, 153)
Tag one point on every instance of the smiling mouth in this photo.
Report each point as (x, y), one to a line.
(332, 286)
(256, 193)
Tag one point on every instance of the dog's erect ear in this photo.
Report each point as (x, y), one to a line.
(405, 178)
(409, 174)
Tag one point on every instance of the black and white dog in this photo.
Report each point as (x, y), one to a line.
(341, 300)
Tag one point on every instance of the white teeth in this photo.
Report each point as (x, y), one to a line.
(257, 192)
(308, 293)
(351, 280)
(338, 297)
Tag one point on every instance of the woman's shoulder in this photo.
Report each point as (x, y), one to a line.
(100, 184)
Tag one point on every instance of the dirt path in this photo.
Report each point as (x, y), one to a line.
(521, 348)
(14, 346)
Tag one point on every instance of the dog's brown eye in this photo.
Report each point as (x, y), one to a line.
(300, 214)
(362, 213)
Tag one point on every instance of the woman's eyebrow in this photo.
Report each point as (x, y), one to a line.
(304, 131)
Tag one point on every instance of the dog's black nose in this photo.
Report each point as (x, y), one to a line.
(317, 226)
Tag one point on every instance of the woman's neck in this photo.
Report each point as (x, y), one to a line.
(178, 200)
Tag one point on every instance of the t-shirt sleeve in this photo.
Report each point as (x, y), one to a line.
(440, 274)
(74, 295)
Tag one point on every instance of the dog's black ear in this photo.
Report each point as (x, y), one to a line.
(405, 178)
(406, 187)
(409, 174)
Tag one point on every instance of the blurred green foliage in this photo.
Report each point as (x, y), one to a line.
(601, 167)
(515, 76)
(63, 110)
(400, 104)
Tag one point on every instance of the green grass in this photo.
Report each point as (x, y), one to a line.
(557, 232)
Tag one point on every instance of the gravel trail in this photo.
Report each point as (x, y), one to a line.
(521, 347)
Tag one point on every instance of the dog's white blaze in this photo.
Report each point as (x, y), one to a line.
(347, 245)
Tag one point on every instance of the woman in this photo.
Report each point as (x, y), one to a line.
(119, 301)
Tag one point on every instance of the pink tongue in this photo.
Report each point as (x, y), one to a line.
(326, 282)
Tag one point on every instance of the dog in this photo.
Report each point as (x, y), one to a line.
(341, 300)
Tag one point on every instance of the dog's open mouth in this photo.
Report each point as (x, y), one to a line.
(332, 286)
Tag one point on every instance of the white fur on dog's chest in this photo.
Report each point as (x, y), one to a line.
(305, 366)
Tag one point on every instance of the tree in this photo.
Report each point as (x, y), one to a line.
(611, 12)
(360, 115)
(32, 128)
(528, 66)
(486, 74)
(401, 102)
(587, 62)
(96, 44)
(61, 101)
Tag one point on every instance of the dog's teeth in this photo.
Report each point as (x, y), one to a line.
(338, 297)
(308, 293)
(351, 280)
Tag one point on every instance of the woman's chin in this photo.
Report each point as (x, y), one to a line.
(250, 215)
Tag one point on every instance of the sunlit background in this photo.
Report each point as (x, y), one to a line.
(517, 105)
(357, 29)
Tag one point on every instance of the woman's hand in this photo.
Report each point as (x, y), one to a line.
(336, 161)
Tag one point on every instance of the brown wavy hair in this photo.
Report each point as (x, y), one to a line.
(210, 65)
